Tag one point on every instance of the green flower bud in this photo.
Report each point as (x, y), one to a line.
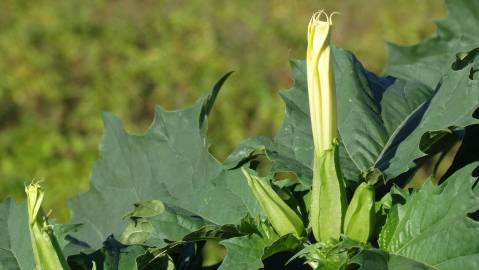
(360, 216)
(46, 250)
(283, 219)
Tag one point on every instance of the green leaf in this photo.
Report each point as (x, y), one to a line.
(62, 231)
(433, 226)
(248, 251)
(431, 59)
(370, 108)
(383, 125)
(15, 244)
(244, 252)
(375, 259)
(288, 242)
(359, 111)
(451, 106)
(170, 163)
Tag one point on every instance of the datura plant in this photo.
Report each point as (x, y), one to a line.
(366, 172)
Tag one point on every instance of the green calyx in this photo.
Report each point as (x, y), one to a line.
(328, 201)
(360, 216)
(283, 219)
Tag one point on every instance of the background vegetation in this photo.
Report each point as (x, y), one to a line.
(64, 62)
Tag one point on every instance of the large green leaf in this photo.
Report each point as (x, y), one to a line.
(371, 108)
(451, 106)
(170, 163)
(429, 60)
(389, 126)
(433, 225)
(15, 245)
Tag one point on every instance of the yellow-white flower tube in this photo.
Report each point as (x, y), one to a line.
(328, 200)
(46, 251)
(321, 93)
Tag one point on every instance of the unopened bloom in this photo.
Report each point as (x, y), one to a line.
(360, 216)
(46, 250)
(328, 199)
(283, 219)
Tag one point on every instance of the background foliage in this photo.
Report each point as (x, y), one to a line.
(64, 62)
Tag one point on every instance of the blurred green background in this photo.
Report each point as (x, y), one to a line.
(64, 62)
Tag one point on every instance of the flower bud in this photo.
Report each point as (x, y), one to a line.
(327, 195)
(283, 219)
(360, 216)
(46, 250)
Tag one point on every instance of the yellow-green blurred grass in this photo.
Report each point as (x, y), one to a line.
(64, 62)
